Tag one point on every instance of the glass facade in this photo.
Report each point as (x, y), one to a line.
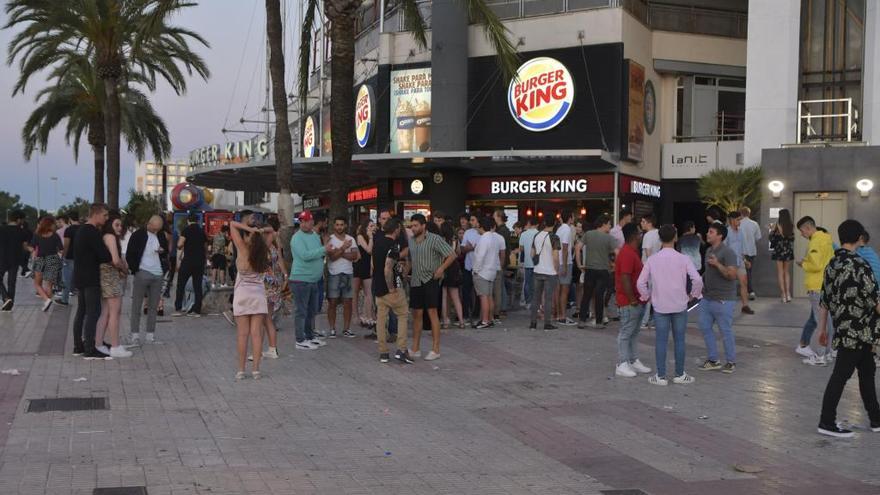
(832, 62)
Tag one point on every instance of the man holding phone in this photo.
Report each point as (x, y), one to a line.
(719, 299)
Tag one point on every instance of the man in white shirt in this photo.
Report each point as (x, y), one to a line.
(751, 234)
(144, 257)
(546, 247)
(525, 249)
(565, 233)
(651, 245)
(469, 304)
(343, 252)
(486, 264)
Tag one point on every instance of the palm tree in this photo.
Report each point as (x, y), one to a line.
(78, 96)
(341, 15)
(121, 36)
(283, 146)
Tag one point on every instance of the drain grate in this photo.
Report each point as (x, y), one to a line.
(622, 492)
(67, 404)
(121, 490)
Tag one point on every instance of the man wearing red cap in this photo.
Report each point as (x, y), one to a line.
(308, 268)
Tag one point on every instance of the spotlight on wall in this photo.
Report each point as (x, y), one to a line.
(864, 186)
(529, 212)
(776, 187)
(583, 211)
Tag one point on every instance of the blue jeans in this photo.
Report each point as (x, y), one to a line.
(720, 312)
(813, 322)
(630, 324)
(677, 324)
(305, 297)
(528, 284)
(320, 297)
(67, 278)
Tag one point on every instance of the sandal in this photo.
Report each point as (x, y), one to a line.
(240, 375)
(444, 325)
(256, 375)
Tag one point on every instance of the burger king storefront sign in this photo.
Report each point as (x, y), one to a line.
(308, 146)
(542, 94)
(363, 116)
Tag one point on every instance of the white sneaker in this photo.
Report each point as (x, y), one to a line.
(624, 370)
(816, 360)
(306, 345)
(657, 380)
(832, 356)
(47, 304)
(271, 353)
(684, 379)
(638, 367)
(151, 339)
(134, 339)
(432, 356)
(318, 342)
(415, 354)
(103, 349)
(120, 352)
(805, 351)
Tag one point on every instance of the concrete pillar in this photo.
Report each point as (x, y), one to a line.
(449, 78)
(869, 114)
(449, 196)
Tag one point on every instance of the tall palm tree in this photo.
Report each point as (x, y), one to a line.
(77, 95)
(341, 16)
(121, 36)
(283, 145)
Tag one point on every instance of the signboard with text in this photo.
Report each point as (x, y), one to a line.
(540, 186)
(411, 110)
(634, 113)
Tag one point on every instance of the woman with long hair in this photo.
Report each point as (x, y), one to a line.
(113, 277)
(782, 245)
(275, 281)
(362, 277)
(452, 278)
(250, 305)
(46, 249)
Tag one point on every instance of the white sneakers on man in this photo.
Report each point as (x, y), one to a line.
(120, 352)
(638, 367)
(625, 370)
(805, 351)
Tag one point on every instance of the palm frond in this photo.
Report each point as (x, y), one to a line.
(414, 22)
(497, 34)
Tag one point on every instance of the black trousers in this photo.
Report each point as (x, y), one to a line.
(596, 282)
(85, 323)
(184, 272)
(468, 304)
(7, 291)
(848, 361)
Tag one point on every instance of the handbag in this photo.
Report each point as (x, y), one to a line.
(536, 258)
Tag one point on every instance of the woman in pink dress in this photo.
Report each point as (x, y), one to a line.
(249, 304)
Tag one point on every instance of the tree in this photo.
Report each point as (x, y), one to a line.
(78, 96)
(79, 205)
(8, 203)
(121, 36)
(730, 190)
(141, 207)
(283, 146)
(341, 15)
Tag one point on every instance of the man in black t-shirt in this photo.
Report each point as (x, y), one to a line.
(12, 245)
(388, 289)
(89, 252)
(67, 269)
(194, 243)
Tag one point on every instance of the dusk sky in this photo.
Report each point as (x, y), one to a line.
(194, 119)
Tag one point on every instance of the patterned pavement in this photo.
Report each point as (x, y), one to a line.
(504, 410)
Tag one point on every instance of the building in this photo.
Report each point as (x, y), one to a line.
(148, 176)
(813, 113)
(604, 85)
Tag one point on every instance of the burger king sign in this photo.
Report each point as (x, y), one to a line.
(309, 138)
(541, 95)
(363, 116)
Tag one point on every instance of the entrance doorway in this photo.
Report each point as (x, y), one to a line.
(829, 210)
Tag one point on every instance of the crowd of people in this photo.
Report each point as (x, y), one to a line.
(424, 271)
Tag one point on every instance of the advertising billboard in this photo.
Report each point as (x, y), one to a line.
(410, 110)
(634, 114)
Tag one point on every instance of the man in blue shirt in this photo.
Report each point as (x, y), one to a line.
(735, 241)
(308, 268)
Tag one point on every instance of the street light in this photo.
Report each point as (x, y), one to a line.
(55, 197)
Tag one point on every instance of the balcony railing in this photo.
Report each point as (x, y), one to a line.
(825, 121)
(729, 127)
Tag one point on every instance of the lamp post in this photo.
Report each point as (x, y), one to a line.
(55, 196)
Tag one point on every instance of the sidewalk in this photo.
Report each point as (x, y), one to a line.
(504, 410)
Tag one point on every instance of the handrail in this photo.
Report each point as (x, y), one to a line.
(808, 117)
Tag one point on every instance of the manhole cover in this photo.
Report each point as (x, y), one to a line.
(67, 404)
(121, 490)
(622, 492)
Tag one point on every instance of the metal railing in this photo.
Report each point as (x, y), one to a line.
(832, 125)
(729, 127)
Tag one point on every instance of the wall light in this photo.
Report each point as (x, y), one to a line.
(583, 211)
(776, 187)
(864, 186)
(529, 212)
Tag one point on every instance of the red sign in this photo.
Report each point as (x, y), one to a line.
(540, 186)
(365, 194)
(215, 220)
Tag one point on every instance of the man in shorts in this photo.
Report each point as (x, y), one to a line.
(487, 264)
(343, 252)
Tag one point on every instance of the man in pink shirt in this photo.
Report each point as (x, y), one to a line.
(663, 282)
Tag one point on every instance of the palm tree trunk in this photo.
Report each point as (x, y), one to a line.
(99, 173)
(283, 140)
(341, 108)
(112, 119)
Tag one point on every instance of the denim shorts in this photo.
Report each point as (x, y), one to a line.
(339, 286)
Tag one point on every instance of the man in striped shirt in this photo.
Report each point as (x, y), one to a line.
(430, 256)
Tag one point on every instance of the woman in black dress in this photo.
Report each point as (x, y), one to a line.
(362, 277)
(782, 246)
(452, 279)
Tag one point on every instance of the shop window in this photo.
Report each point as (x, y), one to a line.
(831, 65)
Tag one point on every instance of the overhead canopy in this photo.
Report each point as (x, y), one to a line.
(312, 174)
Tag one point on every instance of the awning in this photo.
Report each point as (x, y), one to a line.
(312, 174)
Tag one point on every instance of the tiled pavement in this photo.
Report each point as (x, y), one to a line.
(503, 411)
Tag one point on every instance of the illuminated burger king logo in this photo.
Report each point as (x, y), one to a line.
(309, 138)
(542, 94)
(363, 116)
